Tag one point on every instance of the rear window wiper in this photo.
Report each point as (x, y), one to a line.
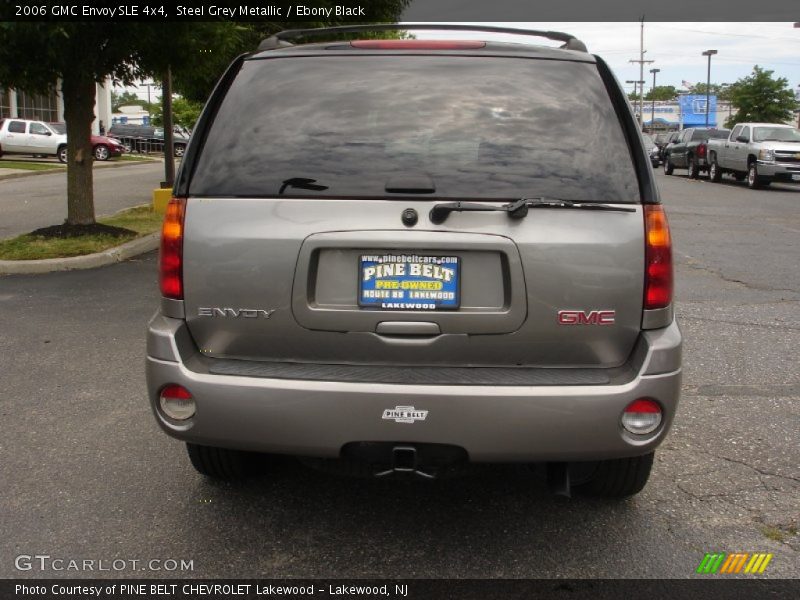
(517, 209)
(302, 183)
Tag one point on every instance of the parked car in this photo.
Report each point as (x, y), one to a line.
(481, 272)
(668, 143)
(690, 150)
(760, 152)
(653, 151)
(103, 147)
(21, 136)
(145, 138)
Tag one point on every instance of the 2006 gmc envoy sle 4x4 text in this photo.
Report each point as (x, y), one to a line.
(427, 252)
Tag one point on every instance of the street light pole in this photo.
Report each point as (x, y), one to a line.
(653, 106)
(709, 54)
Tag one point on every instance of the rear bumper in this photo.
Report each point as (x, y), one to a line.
(492, 423)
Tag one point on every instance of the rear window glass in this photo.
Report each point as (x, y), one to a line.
(466, 127)
(706, 134)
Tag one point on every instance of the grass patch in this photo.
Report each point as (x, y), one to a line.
(133, 158)
(140, 221)
(773, 533)
(28, 166)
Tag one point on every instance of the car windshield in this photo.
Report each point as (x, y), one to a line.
(776, 134)
(466, 127)
(60, 128)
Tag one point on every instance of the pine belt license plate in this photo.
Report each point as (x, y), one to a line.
(408, 281)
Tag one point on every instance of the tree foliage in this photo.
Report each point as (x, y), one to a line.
(124, 98)
(761, 98)
(661, 93)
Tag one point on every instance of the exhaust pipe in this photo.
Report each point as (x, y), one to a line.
(558, 479)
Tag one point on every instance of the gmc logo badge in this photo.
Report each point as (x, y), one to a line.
(591, 317)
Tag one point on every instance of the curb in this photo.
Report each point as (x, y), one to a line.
(115, 165)
(87, 261)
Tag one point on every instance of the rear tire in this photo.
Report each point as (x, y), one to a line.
(714, 172)
(220, 463)
(62, 154)
(668, 166)
(618, 478)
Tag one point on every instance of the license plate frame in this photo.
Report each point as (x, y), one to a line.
(407, 288)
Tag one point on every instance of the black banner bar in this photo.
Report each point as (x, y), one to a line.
(711, 588)
(345, 11)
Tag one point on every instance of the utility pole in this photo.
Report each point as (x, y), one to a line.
(641, 62)
(653, 107)
(709, 54)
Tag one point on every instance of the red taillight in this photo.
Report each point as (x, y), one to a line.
(176, 392)
(171, 257)
(658, 279)
(643, 405)
(416, 44)
(642, 416)
(701, 150)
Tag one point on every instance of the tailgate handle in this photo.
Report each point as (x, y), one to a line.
(407, 328)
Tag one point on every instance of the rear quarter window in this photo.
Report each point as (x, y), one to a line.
(487, 127)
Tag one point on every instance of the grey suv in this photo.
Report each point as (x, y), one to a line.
(419, 258)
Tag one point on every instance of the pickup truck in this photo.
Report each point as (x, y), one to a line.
(760, 152)
(689, 150)
(145, 138)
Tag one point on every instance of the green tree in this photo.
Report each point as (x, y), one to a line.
(761, 98)
(662, 92)
(124, 99)
(34, 55)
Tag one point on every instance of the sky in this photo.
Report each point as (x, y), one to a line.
(675, 47)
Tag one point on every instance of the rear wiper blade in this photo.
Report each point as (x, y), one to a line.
(302, 183)
(517, 209)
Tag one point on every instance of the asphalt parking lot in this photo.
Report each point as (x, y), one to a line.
(88, 475)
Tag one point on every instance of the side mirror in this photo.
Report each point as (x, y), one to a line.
(742, 138)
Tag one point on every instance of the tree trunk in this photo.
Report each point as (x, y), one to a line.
(169, 138)
(79, 97)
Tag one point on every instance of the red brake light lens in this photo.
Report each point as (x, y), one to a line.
(176, 392)
(658, 283)
(417, 44)
(171, 257)
(701, 150)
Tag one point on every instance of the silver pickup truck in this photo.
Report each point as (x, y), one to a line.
(760, 152)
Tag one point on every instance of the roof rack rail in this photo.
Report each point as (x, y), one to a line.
(279, 39)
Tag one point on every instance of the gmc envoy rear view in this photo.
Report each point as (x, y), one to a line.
(425, 253)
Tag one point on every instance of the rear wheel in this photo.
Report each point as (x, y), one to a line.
(668, 166)
(62, 154)
(220, 463)
(179, 150)
(692, 168)
(714, 172)
(618, 478)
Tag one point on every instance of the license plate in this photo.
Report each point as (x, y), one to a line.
(796, 177)
(408, 281)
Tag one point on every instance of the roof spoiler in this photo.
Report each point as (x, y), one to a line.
(279, 39)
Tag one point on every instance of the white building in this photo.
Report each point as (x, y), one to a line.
(17, 104)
